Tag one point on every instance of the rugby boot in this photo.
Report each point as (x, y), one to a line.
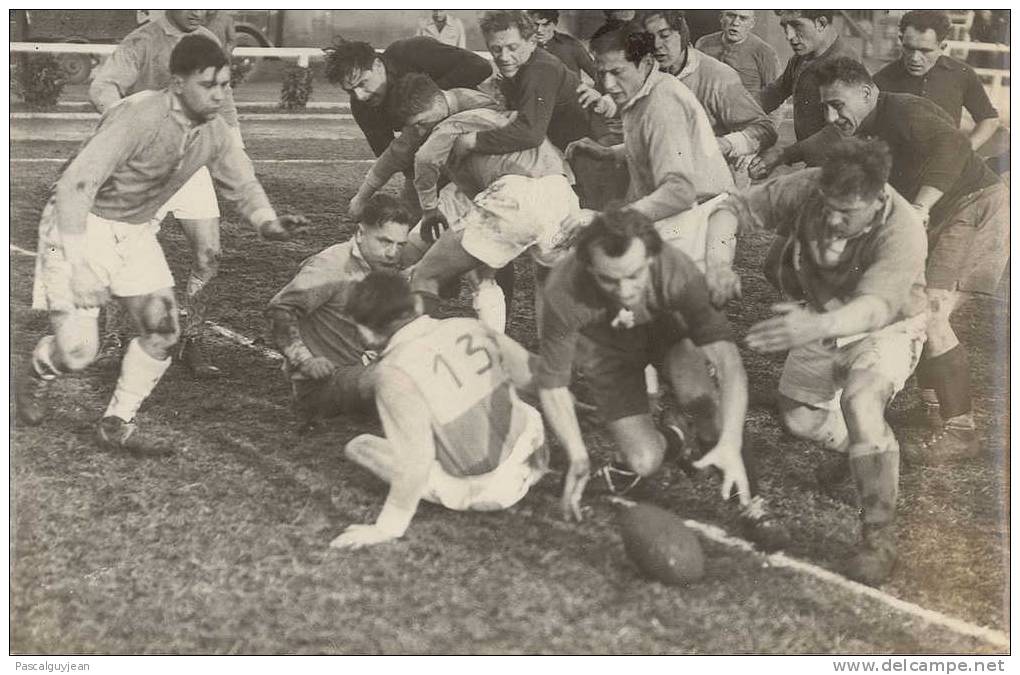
(618, 478)
(30, 397)
(833, 478)
(113, 433)
(763, 528)
(951, 443)
(193, 356)
(876, 555)
(924, 415)
(678, 448)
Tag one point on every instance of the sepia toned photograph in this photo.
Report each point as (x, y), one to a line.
(510, 332)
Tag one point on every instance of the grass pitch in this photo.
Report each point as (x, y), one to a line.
(223, 547)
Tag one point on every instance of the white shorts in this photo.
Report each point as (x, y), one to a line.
(815, 373)
(517, 213)
(688, 230)
(127, 257)
(502, 487)
(196, 200)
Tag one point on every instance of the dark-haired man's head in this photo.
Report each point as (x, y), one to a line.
(357, 69)
(672, 37)
(923, 34)
(187, 20)
(382, 231)
(545, 21)
(852, 184)
(847, 91)
(617, 250)
(623, 56)
(809, 31)
(200, 76)
(380, 304)
(419, 103)
(510, 37)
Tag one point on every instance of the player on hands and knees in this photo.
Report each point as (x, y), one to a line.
(141, 62)
(499, 205)
(97, 237)
(329, 367)
(849, 260)
(621, 301)
(456, 433)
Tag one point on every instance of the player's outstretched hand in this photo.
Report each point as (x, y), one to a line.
(762, 165)
(88, 289)
(433, 224)
(283, 228)
(573, 488)
(601, 104)
(317, 368)
(723, 284)
(359, 536)
(589, 147)
(795, 325)
(726, 458)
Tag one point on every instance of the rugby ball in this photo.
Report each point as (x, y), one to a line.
(660, 545)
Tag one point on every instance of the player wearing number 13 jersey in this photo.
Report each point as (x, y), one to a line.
(456, 432)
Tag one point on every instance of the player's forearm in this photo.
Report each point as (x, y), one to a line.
(103, 94)
(558, 407)
(927, 196)
(983, 130)
(863, 314)
(71, 212)
(732, 390)
(675, 194)
(287, 336)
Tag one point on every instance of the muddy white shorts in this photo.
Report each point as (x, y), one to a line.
(502, 487)
(688, 230)
(126, 257)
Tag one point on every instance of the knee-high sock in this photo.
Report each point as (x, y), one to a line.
(950, 374)
(139, 374)
(43, 358)
(876, 472)
(490, 304)
(193, 307)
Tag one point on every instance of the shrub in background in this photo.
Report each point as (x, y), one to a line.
(240, 67)
(297, 88)
(40, 80)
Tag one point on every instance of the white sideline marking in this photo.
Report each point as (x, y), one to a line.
(19, 250)
(58, 160)
(720, 536)
(244, 341)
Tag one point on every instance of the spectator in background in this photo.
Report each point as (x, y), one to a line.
(814, 40)
(221, 24)
(923, 70)
(989, 26)
(564, 47)
(444, 28)
(735, 45)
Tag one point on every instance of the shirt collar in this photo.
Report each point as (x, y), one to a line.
(423, 325)
(357, 256)
(690, 64)
(177, 111)
(653, 79)
(168, 27)
(836, 45)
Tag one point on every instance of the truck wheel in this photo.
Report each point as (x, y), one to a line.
(76, 67)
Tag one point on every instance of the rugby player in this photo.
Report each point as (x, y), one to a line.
(965, 207)
(141, 62)
(742, 127)
(566, 48)
(500, 205)
(755, 61)
(623, 300)
(456, 433)
(97, 233)
(325, 359)
(849, 260)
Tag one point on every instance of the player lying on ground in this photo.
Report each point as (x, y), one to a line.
(141, 62)
(671, 153)
(456, 433)
(621, 301)
(849, 261)
(327, 362)
(965, 207)
(499, 205)
(97, 236)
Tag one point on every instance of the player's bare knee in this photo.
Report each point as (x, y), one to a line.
(646, 461)
(160, 327)
(804, 422)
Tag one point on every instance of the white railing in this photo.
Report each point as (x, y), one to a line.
(303, 55)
